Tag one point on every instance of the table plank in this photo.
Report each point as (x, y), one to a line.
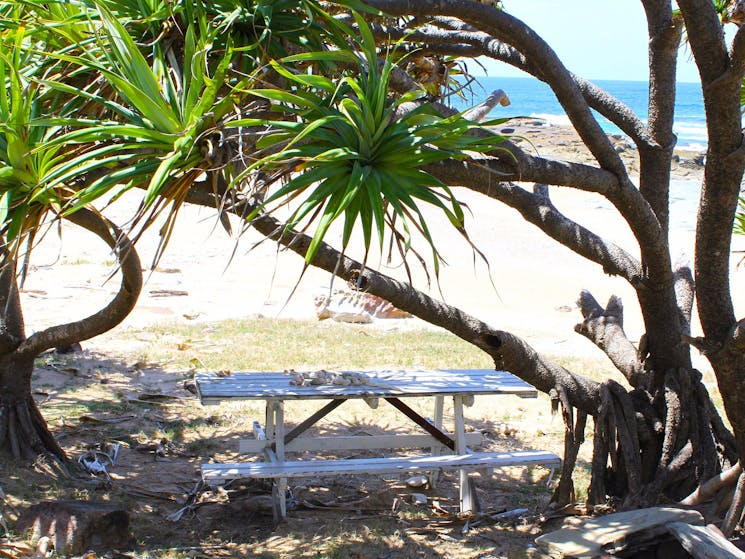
(300, 468)
(419, 382)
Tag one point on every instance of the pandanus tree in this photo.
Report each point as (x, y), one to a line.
(36, 183)
(251, 107)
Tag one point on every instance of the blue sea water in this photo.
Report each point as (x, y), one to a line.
(532, 98)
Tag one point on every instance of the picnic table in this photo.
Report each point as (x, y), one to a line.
(447, 449)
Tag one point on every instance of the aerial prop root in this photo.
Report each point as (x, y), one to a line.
(574, 436)
(615, 441)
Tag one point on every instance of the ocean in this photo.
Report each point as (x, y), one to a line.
(532, 98)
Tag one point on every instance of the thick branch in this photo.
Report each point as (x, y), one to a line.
(536, 208)
(513, 164)
(684, 295)
(487, 175)
(706, 37)
(604, 327)
(725, 160)
(664, 40)
(117, 309)
(737, 53)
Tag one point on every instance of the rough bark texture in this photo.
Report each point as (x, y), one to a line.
(23, 431)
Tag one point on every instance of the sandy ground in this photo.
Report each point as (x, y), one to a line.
(532, 291)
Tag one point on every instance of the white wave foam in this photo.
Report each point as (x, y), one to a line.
(551, 119)
(690, 130)
(692, 146)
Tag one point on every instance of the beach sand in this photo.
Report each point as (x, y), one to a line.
(532, 291)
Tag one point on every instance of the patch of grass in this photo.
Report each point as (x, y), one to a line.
(278, 344)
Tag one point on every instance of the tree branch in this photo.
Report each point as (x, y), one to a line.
(664, 40)
(684, 295)
(665, 33)
(536, 208)
(117, 309)
(737, 53)
(485, 174)
(513, 164)
(706, 37)
(604, 327)
(725, 159)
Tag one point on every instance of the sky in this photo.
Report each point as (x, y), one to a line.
(598, 40)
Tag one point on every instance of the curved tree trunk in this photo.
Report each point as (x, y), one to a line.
(24, 434)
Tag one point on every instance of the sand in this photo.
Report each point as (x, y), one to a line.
(532, 291)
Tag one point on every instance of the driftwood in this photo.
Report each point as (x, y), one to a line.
(74, 527)
(704, 543)
(595, 536)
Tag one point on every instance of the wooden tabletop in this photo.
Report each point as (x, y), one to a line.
(214, 388)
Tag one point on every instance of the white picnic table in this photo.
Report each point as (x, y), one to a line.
(448, 449)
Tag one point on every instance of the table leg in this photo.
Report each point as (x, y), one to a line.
(279, 442)
(468, 498)
(437, 449)
(269, 420)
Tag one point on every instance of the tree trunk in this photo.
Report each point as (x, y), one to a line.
(24, 434)
(23, 431)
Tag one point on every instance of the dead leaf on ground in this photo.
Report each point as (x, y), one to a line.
(16, 550)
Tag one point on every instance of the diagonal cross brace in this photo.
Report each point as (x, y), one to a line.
(422, 422)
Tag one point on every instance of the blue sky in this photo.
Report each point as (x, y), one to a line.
(599, 40)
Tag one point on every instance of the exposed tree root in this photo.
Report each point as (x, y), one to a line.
(27, 433)
(734, 514)
(710, 488)
(574, 436)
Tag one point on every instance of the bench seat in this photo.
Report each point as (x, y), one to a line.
(300, 468)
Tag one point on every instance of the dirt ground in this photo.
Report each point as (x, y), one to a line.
(94, 401)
